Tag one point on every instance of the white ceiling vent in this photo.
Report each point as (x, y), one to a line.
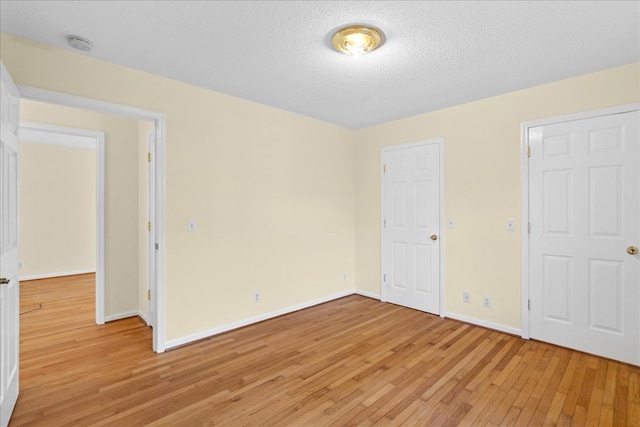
(80, 43)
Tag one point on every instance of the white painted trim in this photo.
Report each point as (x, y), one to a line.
(490, 325)
(37, 94)
(241, 323)
(524, 190)
(368, 294)
(86, 139)
(159, 119)
(245, 322)
(100, 229)
(441, 226)
(38, 133)
(151, 239)
(383, 151)
(144, 318)
(56, 274)
(524, 232)
(126, 314)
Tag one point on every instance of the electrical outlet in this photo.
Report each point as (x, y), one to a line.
(256, 297)
(486, 301)
(511, 225)
(466, 298)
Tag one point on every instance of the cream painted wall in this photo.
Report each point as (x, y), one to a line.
(144, 127)
(481, 185)
(121, 195)
(57, 224)
(272, 192)
(285, 204)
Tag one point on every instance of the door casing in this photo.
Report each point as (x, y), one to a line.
(42, 130)
(524, 201)
(158, 229)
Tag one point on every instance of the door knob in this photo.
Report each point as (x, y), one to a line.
(4, 281)
(632, 250)
(434, 237)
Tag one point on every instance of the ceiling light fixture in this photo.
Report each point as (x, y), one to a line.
(80, 43)
(356, 40)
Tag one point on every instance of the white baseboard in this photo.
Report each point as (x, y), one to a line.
(245, 322)
(59, 274)
(143, 317)
(483, 323)
(239, 324)
(119, 316)
(368, 294)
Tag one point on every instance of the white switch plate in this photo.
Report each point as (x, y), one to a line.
(191, 226)
(511, 225)
(452, 223)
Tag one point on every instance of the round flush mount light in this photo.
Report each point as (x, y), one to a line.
(80, 43)
(356, 40)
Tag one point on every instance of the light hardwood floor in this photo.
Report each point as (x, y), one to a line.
(353, 361)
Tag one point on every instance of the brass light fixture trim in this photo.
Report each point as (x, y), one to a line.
(356, 40)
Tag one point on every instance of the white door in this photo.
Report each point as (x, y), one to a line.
(9, 287)
(151, 241)
(411, 226)
(584, 178)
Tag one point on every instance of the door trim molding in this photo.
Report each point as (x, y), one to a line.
(524, 199)
(151, 216)
(159, 120)
(85, 139)
(383, 151)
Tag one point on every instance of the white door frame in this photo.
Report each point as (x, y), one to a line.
(159, 119)
(383, 151)
(68, 136)
(151, 202)
(524, 190)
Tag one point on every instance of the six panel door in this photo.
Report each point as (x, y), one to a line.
(411, 226)
(584, 213)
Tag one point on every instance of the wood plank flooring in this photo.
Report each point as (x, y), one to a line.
(353, 361)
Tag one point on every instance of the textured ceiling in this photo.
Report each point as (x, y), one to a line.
(436, 55)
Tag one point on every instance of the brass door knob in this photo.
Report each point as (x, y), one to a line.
(4, 281)
(434, 237)
(632, 250)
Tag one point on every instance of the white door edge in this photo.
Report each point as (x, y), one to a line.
(96, 141)
(383, 151)
(159, 119)
(524, 191)
(151, 210)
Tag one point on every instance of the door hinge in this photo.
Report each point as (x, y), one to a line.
(157, 247)
(149, 225)
(529, 228)
(528, 151)
(149, 157)
(149, 295)
(384, 223)
(384, 278)
(384, 168)
(529, 304)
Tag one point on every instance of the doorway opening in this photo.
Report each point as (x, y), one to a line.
(156, 230)
(62, 196)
